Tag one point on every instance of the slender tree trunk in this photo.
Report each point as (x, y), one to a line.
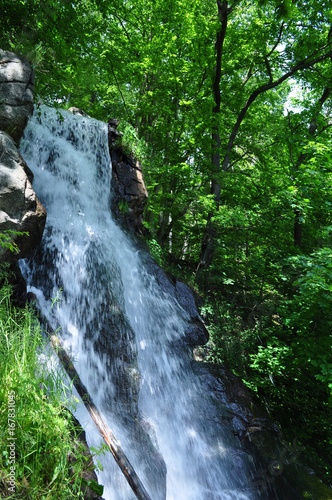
(209, 236)
(297, 228)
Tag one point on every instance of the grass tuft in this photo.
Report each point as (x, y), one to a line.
(41, 456)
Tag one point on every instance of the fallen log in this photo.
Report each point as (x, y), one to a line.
(108, 436)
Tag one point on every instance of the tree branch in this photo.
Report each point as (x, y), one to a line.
(278, 40)
(313, 124)
(246, 174)
(290, 145)
(108, 436)
(248, 76)
(122, 25)
(120, 92)
(304, 64)
(329, 125)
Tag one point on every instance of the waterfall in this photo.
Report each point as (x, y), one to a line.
(124, 331)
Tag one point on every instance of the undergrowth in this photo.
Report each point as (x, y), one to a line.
(41, 456)
(258, 351)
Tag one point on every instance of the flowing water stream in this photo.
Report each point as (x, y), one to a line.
(123, 330)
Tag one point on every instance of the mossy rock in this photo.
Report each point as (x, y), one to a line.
(307, 483)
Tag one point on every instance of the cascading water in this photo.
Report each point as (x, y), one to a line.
(123, 330)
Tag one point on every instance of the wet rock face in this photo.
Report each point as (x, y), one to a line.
(16, 94)
(129, 194)
(275, 463)
(196, 333)
(20, 209)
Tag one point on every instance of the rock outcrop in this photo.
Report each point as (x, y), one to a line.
(279, 470)
(195, 333)
(20, 209)
(16, 94)
(129, 194)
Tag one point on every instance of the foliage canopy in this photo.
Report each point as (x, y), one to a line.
(228, 106)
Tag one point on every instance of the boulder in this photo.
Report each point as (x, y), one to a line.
(20, 209)
(16, 94)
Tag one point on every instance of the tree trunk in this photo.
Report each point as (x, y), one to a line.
(297, 228)
(208, 241)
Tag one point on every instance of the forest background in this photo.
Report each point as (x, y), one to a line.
(228, 105)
